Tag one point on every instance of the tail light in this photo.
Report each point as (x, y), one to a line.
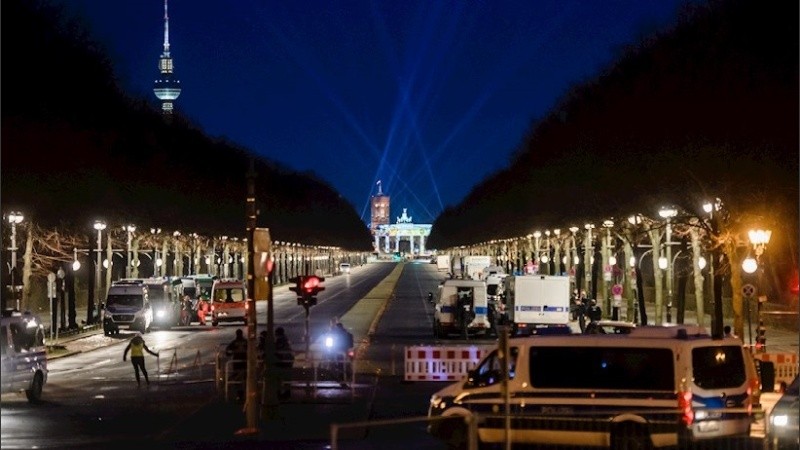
(246, 305)
(685, 405)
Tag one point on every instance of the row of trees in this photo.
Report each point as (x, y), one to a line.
(704, 110)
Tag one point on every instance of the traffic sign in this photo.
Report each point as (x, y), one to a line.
(616, 290)
(748, 290)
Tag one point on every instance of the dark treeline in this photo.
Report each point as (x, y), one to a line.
(707, 108)
(75, 148)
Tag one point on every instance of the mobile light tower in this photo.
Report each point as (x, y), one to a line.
(167, 88)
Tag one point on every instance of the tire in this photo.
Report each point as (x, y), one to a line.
(214, 323)
(34, 394)
(629, 436)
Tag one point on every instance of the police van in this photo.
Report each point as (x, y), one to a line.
(127, 306)
(461, 307)
(655, 387)
(23, 354)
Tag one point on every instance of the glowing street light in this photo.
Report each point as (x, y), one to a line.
(668, 213)
(99, 225)
(14, 219)
(129, 229)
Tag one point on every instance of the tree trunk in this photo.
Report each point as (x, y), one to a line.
(735, 268)
(699, 294)
(27, 271)
(630, 277)
(655, 240)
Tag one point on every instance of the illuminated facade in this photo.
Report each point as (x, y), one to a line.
(379, 209)
(167, 88)
(404, 236)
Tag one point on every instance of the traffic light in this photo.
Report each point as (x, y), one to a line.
(307, 287)
(761, 337)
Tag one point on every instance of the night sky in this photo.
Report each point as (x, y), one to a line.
(429, 97)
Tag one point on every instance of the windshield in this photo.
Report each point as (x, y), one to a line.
(125, 300)
(229, 295)
(718, 367)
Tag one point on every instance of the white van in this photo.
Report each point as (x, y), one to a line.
(23, 355)
(461, 308)
(656, 387)
(127, 305)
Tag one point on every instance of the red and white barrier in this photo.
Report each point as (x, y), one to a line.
(786, 365)
(442, 363)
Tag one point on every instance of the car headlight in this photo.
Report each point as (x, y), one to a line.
(161, 313)
(780, 420)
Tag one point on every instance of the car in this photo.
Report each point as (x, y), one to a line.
(344, 267)
(609, 327)
(782, 421)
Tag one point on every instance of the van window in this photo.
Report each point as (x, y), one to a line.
(489, 371)
(491, 289)
(615, 368)
(718, 367)
(229, 295)
(136, 300)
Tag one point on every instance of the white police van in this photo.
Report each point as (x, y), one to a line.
(656, 387)
(23, 355)
(127, 306)
(461, 308)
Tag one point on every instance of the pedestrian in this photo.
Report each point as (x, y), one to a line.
(574, 302)
(728, 332)
(595, 312)
(582, 314)
(237, 351)
(137, 347)
(202, 309)
(285, 360)
(283, 350)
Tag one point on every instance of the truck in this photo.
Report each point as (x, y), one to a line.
(443, 263)
(461, 308)
(536, 301)
(473, 266)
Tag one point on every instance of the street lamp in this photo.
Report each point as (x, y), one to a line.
(668, 213)
(14, 218)
(759, 239)
(129, 229)
(99, 225)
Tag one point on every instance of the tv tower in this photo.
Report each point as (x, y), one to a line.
(167, 88)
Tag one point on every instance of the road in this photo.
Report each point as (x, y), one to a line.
(92, 401)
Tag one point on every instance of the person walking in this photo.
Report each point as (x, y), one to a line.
(137, 347)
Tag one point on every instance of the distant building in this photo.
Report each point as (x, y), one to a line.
(403, 237)
(167, 88)
(379, 210)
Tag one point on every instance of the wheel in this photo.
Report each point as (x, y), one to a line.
(214, 323)
(34, 394)
(629, 436)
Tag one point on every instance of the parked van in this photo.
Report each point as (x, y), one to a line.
(228, 301)
(127, 306)
(655, 387)
(461, 307)
(23, 355)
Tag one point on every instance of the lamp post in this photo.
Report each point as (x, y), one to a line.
(14, 218)
(759, 239)
(668, 213)
(99, 225)
(588, 259)
(128, 259)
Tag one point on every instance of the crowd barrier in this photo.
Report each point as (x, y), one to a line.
(312, 372)
(442, 363)
(786, 366)
(186, 363)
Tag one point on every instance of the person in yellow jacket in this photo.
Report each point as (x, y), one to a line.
(137, 348)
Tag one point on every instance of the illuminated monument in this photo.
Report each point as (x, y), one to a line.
(167, 88)
(404, 236)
